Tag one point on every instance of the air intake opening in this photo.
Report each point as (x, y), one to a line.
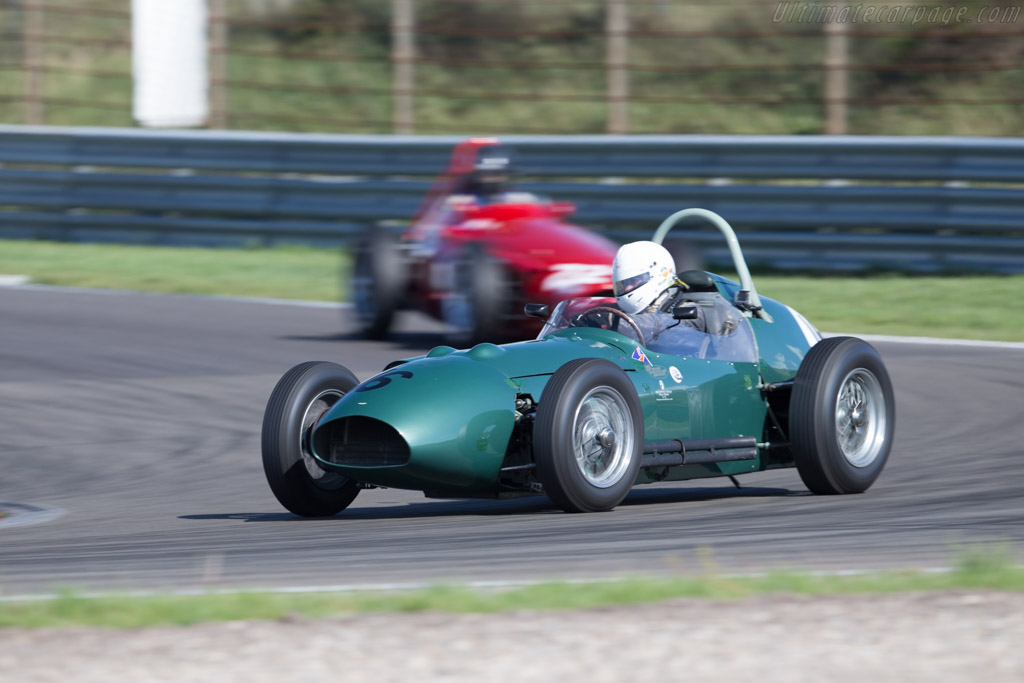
(359, 441)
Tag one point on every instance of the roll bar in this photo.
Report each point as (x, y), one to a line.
(753, 301)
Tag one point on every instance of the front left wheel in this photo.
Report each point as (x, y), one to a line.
(475, 309)
(588, 436)
(300, 398)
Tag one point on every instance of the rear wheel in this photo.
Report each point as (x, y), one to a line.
(842, 416)
(588, 436)
(300, 398)
(475, 309)
(378, 278)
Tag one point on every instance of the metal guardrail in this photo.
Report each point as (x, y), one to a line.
(840, 202)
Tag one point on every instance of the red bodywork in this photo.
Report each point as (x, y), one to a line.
(547, 259)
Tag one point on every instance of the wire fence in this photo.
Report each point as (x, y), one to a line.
(551, 66)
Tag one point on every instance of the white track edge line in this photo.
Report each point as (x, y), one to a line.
(203, 297)
(931, 341)
(881, 338)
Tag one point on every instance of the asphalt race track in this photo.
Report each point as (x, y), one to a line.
(138, 416)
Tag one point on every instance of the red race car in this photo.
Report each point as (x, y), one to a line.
(476, 252)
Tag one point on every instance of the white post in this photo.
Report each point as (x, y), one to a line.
(169, 58)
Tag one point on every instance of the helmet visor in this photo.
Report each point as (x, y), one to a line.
(630, 283)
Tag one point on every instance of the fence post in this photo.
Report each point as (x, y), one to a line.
(617, 65)
(836, 77)
(33, 27)
(403, 55)
(218, 19)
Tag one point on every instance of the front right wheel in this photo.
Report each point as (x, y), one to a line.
(588, 436)
(842, 416)
(378, 280)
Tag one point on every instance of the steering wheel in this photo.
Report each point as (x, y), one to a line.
(615, 311)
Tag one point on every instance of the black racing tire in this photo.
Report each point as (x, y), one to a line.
(301, 396)
(377, 283)
(842, 416)
(582, 399)
(476, 310)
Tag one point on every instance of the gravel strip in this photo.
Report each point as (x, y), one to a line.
(956, 636)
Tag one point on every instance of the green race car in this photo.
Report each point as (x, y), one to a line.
(720, 382)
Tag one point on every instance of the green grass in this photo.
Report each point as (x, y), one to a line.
(968, 307)
(984, 569)
(955, 306)
(282, 272)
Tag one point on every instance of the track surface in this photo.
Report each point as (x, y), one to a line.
(139, 415)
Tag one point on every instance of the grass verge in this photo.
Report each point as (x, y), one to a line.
(280, 272)
(956, 306)
(953, 306)
(989, 569)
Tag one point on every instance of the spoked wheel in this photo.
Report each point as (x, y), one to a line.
(378, 277)
(842, 416)
(475, 309)
(861, 418)
(299, 400)
(588, 436)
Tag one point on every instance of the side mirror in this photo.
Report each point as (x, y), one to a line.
(685, 312)
(537, 311)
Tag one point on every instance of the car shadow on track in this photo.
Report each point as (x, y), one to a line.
(654, 496)
(539, 505)
(435, 508)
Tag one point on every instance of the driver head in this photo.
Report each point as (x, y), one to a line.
(641, 271)
(492, 170)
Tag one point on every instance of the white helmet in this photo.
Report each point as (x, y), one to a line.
(641, 271)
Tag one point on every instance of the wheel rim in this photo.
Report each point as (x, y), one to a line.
(861, 419)
(602, 438)
(457, 311)
(314, 411)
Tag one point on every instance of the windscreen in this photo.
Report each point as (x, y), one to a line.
(719, 333)
(588, 311)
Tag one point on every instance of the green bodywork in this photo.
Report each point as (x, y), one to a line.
(457, 410)
(466, 416)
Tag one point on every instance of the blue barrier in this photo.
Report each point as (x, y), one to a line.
(921, 203)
